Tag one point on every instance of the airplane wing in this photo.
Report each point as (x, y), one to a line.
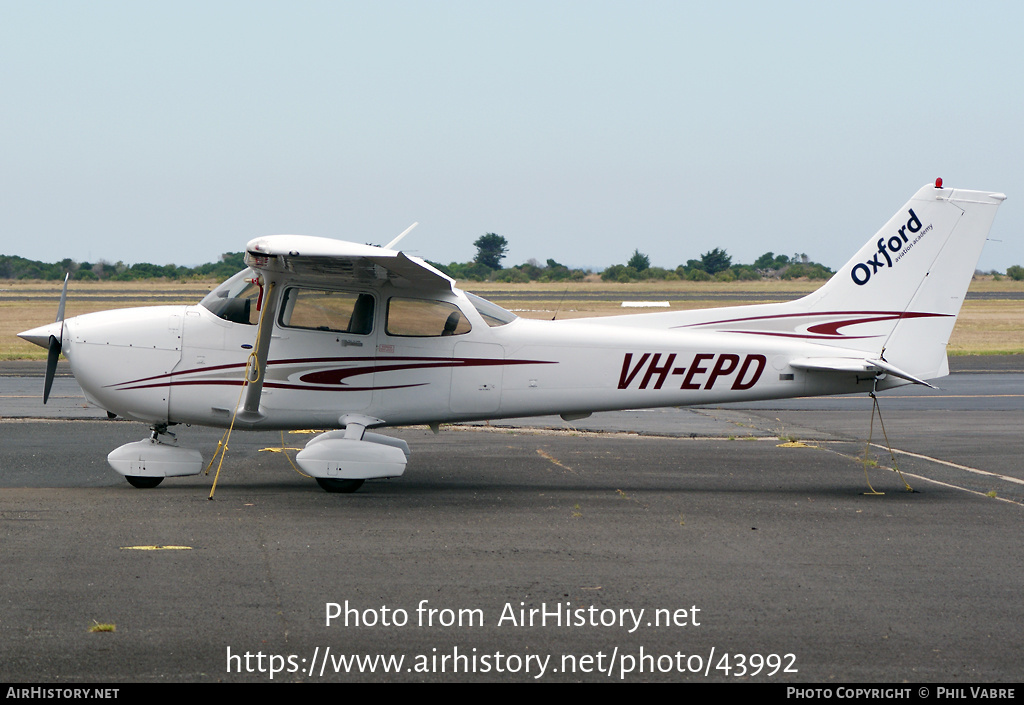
(324, 261)
(851, 364)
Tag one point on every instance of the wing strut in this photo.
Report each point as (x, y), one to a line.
(255, 371)
(256, 367)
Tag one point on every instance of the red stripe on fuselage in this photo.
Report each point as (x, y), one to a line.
(324, 377)
(827, 330)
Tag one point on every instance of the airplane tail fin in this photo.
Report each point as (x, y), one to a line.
(898, 297)
(891, 308)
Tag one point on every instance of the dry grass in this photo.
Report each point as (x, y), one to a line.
(25, 304)
(985, 327)
(989, 328)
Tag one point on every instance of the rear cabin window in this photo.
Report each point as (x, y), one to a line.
(336, 311)
(421, 318)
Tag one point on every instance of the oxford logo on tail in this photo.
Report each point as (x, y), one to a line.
(861, 273)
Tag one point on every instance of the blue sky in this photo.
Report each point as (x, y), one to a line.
(173, 132)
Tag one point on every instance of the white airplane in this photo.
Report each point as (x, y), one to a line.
(320, 333)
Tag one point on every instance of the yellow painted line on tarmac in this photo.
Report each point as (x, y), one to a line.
(156, 548)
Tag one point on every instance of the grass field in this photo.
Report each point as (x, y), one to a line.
(994, 325)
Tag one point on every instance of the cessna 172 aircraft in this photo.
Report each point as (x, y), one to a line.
(320, 333)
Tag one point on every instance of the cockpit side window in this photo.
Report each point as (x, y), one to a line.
(235, 299)
(422, 318)
(321, 309)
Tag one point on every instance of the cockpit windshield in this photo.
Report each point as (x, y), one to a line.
(235, 299)
(493, 314)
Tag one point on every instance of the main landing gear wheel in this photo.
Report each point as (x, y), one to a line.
(332, 485)
(143, 483)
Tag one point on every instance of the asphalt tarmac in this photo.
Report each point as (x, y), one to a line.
(514, 554)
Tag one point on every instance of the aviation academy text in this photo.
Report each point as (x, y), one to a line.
(559, 614)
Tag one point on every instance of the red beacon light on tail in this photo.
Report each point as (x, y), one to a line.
(938, 182)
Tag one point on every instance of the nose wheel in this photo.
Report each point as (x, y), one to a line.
(143, 483)
(333, 485)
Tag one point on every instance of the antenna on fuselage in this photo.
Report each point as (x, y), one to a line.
(391, 245)
(560, 301)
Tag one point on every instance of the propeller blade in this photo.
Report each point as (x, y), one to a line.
(63, 298)
(51, 366)
(53, 349)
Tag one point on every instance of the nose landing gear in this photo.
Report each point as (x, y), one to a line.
(147, 462)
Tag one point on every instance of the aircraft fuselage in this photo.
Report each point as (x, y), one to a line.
(192, 364)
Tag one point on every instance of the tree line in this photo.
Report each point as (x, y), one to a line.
(717, 265)
(714, 265)
(13, 267)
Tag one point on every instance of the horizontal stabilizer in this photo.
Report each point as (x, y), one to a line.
(854, 365)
